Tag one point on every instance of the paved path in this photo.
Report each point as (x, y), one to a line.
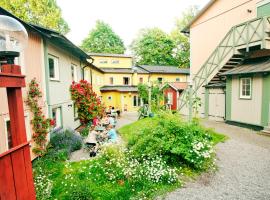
(126, 118)
(244, 169)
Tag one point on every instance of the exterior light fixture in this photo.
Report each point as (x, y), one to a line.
(13, 38)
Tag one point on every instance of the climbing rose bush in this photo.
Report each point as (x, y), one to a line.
(86, 101)
(40, 124)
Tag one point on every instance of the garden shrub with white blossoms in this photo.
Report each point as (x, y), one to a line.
(177, 141)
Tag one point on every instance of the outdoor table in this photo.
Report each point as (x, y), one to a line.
(100, 128)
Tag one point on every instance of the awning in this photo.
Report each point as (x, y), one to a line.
(257, 66)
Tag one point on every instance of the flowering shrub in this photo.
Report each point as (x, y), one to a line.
(40, 124)
(85, 99)
(177, 141)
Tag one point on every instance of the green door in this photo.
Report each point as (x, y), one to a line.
(263, 10)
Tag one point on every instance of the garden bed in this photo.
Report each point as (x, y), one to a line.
(145, 169)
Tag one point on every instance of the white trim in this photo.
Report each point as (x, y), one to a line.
(241, 88)
(263, 2)
(75, 72)
(56, 67)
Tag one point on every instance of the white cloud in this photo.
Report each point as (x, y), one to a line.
(126, 17)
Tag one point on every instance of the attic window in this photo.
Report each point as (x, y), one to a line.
(126, 80)
(160, 79)
(103, 61)
(115, 61)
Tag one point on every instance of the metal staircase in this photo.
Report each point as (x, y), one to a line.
(231, 51)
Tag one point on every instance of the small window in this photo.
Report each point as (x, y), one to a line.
(160, 79)
(74, 73)
(111, 80)
(103, 61)
(56, 115)
(115, 61)
(75, 110)
(126, 80)
(8, 132)
(177, 79)
(245, 88)
(136, 101)
(170, 98)
(141, 79)
(53, 68)
(109, 98)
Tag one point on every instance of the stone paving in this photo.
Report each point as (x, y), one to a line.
(244, 169)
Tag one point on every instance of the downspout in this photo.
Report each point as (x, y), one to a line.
(45, 50)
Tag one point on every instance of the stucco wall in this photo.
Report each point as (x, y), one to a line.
(247, 110)
(31, 61)
(208, 30)
(59, 94)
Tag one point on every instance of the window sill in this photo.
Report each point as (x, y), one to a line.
(54, 80)
(245, 98)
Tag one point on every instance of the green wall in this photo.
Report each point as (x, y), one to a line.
(206, 103)
(263, 10)
(228, 97)
(265, 100)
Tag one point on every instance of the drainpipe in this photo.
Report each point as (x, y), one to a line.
(45, 51)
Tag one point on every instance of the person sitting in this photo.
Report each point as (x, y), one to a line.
(105, 120)
(112, 121)
(112, 134)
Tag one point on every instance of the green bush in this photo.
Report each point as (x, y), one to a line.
(177, 141)
(85, 131)
(66, 139)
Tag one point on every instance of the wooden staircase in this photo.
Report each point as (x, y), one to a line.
(231, 51)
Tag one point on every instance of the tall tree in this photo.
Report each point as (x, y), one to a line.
(102, 39)
(182, 48)
(40, 12)
(153, 47)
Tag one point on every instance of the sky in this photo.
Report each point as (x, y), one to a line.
(126, 17)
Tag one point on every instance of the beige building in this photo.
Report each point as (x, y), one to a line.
(228, 40)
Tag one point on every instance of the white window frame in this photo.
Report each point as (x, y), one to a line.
(128, 78)
(56, 68)
(58, 120)
(75, 73)
(27, 128)
(244, 96)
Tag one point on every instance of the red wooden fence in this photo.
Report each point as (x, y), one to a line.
(16, 174)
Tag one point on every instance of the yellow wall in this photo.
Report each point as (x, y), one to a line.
(123, 62)
(117, 78)
(168, 77)
(145, 78)
(97, 80)
(120, 100)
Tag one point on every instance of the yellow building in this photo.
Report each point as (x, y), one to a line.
(119, 79)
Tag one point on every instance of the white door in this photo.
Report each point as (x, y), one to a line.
(216, 104)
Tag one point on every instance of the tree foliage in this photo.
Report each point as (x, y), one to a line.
(181, 41)
(42, 12)
(153, 47)
(102, 39)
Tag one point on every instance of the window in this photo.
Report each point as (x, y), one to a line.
(245, 88)
(263, 8)
(53, 68)
(103, 61)
(126, 80)
(111, 80)
(141, 79)
(136, 101)
(74, 73)
(177, 79)
(56, 115)
(75, 112)
(159, 79)
(115, 61)
(170, 98)
(8, 130)
(109, 98)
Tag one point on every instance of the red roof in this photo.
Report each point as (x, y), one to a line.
(179, 85)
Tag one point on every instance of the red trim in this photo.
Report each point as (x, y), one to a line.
(14, 149)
